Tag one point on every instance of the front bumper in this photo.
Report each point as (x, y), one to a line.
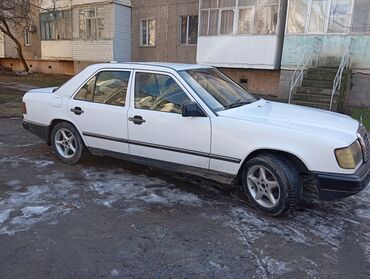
(332, 186)
(42, 131)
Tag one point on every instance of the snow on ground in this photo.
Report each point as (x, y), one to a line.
(323, 224)
(131, 189)
(25, 205)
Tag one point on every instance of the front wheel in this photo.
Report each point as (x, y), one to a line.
(272, 184)
(67, 143)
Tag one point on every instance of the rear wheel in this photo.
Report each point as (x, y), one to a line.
(272, 184)
(67, 143)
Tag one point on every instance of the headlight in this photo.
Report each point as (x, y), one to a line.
(350, 156)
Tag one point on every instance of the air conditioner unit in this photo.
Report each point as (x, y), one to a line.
(32, 28)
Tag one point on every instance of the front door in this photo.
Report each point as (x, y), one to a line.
(100, 110)
(157, 130)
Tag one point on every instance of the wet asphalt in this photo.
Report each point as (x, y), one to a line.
(107, 218)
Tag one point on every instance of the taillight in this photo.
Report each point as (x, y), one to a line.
(24, 108)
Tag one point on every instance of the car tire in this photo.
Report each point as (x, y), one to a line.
(67, 143)
(272, 184)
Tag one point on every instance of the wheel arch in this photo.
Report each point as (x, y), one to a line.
(294, 159)
(54, 122)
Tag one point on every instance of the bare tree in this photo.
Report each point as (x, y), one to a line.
(15, 16)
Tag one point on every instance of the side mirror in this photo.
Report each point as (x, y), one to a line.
(192, 109)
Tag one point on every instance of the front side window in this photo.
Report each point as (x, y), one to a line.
(189, 30)
(107, 87)
(147, 32)
(91, 23)
(56, 25)
(158, 92)
(215, 89)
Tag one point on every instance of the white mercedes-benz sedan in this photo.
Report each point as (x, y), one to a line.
(192, 118)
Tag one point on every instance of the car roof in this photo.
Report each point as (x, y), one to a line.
(151, 65)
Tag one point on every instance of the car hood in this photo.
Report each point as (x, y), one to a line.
(305, 119)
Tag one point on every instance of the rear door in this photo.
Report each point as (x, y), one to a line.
(100, 110)
(157, 130)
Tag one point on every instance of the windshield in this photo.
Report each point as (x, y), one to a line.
(216, 90)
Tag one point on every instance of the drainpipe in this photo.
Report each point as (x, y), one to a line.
(281, 32)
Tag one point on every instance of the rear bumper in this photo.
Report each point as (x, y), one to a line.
(336, 186)
(40, 130)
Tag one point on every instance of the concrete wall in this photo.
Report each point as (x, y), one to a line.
(260, 82)
(99, 51)
(166, 14)
(41, 65)
(249, 51)
(57, 49)
(359, 95)
(284, 84)
(333, 49)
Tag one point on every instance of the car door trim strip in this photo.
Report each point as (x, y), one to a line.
(168, 148)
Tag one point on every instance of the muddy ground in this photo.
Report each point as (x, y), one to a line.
(111, 219)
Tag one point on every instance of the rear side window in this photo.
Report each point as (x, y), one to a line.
(86, 91)
(107, 87)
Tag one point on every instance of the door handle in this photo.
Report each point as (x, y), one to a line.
(77, 110)
(137, 119)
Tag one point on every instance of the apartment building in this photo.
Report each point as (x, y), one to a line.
(258, 43)
(165, 30)
(244, 38)
(340, 27)
(67, 35)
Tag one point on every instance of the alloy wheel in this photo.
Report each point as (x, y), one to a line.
(65, 143)
(263, 186)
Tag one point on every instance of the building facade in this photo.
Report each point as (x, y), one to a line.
(245, 39)
(258, 43)
(165, 30)
(338, 25)
(70, 34)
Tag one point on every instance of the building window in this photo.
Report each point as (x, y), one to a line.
(227, 22)
(220, 17)
(147, 32)
(188, 30)
(361, 16)
(245, 22)
(339, 18)
(318, 16)
(328, 16)
(27, 37)
(91, 23)
(56, 25)
(297, 16)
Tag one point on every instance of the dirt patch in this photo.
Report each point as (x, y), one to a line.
(35, 79)
(13, 87)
